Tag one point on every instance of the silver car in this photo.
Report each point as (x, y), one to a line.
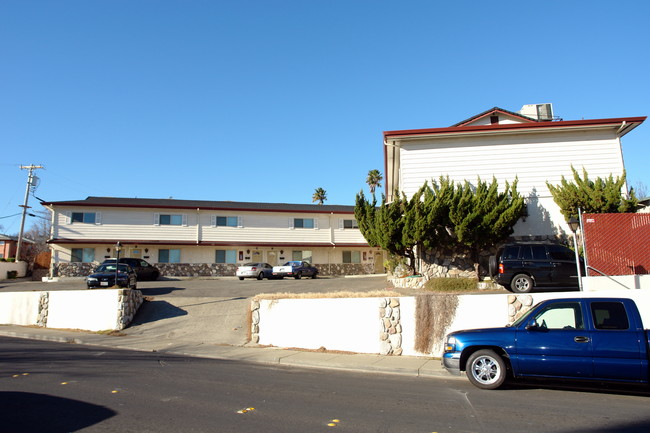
(255, 270)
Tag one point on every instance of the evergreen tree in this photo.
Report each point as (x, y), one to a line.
(598, 196)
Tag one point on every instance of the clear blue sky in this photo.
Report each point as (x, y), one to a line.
(268, 100)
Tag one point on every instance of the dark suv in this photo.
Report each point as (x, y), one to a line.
(521, 266)
(142, 268)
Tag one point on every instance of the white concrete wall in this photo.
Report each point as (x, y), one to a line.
(92, 310)
(617, 282)
(21, 267)
(19, 308)
(336, 324)
(355, 325)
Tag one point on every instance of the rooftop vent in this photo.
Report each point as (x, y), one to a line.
(543, 112)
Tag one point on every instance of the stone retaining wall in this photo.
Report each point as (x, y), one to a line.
(208, 269)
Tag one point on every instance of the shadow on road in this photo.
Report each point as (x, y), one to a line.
(153, 291)
(152, 311)
(30, 412)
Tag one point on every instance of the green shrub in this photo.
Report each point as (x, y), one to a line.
(451, 285)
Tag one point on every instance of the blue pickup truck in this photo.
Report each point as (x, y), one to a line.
(600, 339)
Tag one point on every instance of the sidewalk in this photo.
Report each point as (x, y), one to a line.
(402, 365)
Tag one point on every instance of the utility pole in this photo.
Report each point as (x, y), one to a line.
(31, 183)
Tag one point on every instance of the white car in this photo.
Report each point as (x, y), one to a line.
(255, 270)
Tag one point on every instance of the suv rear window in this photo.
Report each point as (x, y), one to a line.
(558, 252)
(510, 253)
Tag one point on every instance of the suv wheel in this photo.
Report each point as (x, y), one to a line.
(521, 283)
(492, 265)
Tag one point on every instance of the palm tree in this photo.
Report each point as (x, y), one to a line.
(374, 180)
(320, 195)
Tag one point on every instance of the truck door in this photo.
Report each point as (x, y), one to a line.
(616, 343)
(558, 345)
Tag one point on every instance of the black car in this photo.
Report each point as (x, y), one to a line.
(104, 276)
(142, 268)
(522, 266)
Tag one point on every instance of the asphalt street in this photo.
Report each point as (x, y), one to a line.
(52, 387)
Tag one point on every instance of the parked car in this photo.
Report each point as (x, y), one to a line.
(254, 270)
(596, 339)
(142, 268)
(296, 269)
(520, 267)
(104, 276)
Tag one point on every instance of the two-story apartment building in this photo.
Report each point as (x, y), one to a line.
(530, 146)
(207, 238)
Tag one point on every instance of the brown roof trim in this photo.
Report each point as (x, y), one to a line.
(632, 122)
(148, 203)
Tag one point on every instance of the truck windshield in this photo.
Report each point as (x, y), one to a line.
(524, 317)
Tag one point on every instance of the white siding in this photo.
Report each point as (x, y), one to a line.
(533, 159)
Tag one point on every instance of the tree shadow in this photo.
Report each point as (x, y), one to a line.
(30, 412)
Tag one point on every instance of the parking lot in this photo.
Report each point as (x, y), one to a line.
(222, 287)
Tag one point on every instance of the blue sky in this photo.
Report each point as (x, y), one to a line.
(268, 100)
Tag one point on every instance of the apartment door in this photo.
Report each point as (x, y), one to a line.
(135, 253)
(272, 258)
(256, 257)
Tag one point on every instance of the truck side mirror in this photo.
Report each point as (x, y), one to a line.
(532, 325)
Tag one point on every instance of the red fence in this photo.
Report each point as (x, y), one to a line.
(618, 243)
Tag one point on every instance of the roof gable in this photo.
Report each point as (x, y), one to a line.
(484, 118)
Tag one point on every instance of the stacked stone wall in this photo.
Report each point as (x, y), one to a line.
(128, 303)
(209, 269)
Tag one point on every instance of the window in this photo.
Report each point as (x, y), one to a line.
(303, 223)
(82, 255)
(351, 257)
(533, 252)
(226, 256)
(169, 256)
(558, 252)
(171, 220)
(349, 224)
(609, 315)
(227, 221)
(301, 255)
(561, 315)
(83, 217)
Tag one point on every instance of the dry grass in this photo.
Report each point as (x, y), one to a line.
(343, 294)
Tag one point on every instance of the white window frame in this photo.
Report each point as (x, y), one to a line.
(213, 221)
(292, 223)
(156, 220)
(68, 218)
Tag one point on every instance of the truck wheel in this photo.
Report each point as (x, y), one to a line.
(241, 278)
(298, 276)
(314, 275)
(485, 369)
(521, 283)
